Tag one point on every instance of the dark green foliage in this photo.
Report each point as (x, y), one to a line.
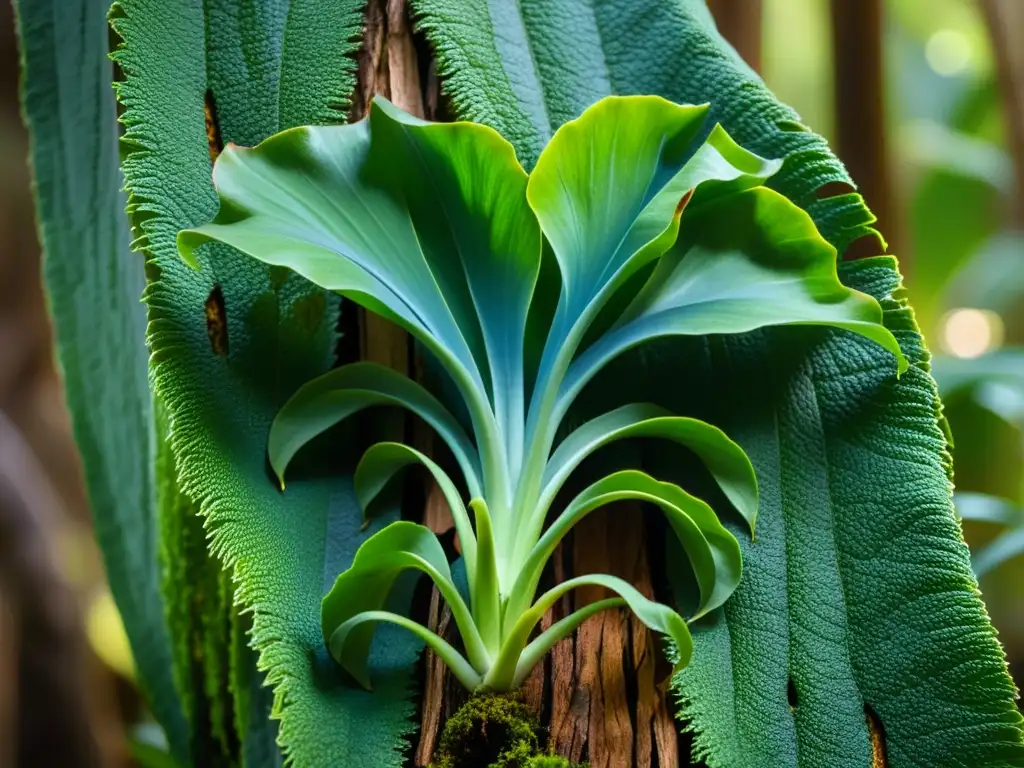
(93, 282)
(858, 595)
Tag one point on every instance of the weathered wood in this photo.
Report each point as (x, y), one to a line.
(597, 712)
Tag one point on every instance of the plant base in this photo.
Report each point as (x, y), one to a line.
(495, 731)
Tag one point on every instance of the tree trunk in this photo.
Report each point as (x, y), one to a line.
(1005, 20)
(741, 23)
(598, 692)
(859, 106)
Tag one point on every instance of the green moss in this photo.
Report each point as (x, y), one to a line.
(494, 731)
(553, 761)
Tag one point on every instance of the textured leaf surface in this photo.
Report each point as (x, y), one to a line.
(858, 587)
(234, 340)
(94, 283)
(198, 596)
(862, 569)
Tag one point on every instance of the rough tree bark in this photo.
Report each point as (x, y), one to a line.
(598, 691)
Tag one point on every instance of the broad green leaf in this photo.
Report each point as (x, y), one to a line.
(94, 282)
(261, 67)
(608, 193)
(604, 211)
(343, 392)
(609, 190)
(608, 211)
(722, 277)
(289, 202)
(394, 224)
(365, 587)
(712, 551)
(849, 599)
(724, 459)
(857, 545)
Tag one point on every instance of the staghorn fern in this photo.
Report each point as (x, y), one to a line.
(438, 228)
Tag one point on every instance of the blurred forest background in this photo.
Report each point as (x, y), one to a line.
(923, 100)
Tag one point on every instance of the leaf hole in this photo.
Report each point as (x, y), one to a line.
(791, 693)
(834, 189)
(213, 140)
(876, 732)
(792, 126)
(216, 321)
(867, 245)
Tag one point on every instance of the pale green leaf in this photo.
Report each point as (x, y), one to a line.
(712, 551)
(724, 459)
(366, 585)
(382, 461)
(345, 391)
(655, 616)
(393, 224)
(725, 277)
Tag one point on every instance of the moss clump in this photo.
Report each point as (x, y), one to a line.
(494, 731)
(553, 761)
